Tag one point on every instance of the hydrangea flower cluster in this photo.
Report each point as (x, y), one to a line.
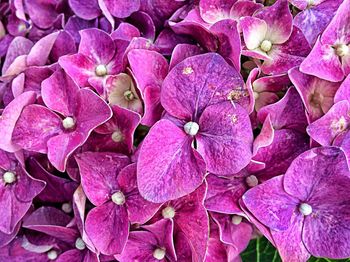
(161, 130)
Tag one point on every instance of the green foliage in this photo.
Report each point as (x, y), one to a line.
(261, 250)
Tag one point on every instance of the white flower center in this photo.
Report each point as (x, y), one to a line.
(128, 95)
(9, 177)
(52, 254)
(80, 244)
(342, 50)
(67, 208)
(252, 181)
(68, 122)
(236, 220)
(101, 70)
(118, 198)
(266, 45)
(159, 253)
(168, 212)
(256, 95)
(117, 136)
(191, 128)
(305, 209)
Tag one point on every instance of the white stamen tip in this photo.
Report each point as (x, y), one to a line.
(128, 95)
(68, 122)
(305, 209)
(252, 181)
(80, 244)
(159, 253)
(52, 254)
(168, 212)
(342, 50)
(266, 45)
(236, 220)
(118, 198)
(191, 128)
(101, 70)
(9, 177)
(117, 136)
(67, 208)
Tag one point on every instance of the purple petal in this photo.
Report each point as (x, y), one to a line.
(225, 138)
(42, 13)
(317, 94)
(86, 9)
(122, 8)
(223, 193)
(328, 67)
(108, 227)
(9, 118)
(289, 243)
(181, 52)
(343, 93)
(198, 82)
(35, 126)
(98, 173)
(178, 171)
(213, 11)
(125, 31)
(139, 209)
(331, 125)
(97, 45)
(271, 196)
(59, 93)
(53, 222)
(279, 21)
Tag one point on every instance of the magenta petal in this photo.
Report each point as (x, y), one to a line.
(331, 125)
(78, 67)
(139, 209)
(230, 42)
(40, 52)
(254, 31)
(198, 82)
(317, 94)
(323, 63)
(122, 8)
(225, 138)
(289, 242)
(181, 52)
(17, 198)
(108, 227)
(53, 222)
(223, 193)
(73, 255)
(271, 196)
(174, 173)
(35, 126)
(42, 13)
(98, 173)
(86, 9)
(192, 220)
(215, 10)
(59, 93)
(236, 235)
(279, 21)
(97, 45)
(343, 93)
(9, 118)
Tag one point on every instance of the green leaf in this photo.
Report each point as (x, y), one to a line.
(261, 250)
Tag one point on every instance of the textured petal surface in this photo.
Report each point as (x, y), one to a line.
(98, 173)
(225, 138)
(196, 83)
(108, 227)
(254, 31)
(271, 196)
(174, 173)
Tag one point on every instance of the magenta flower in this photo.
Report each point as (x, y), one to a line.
(41, 130)
(308, 206)
(111, 186)
(333, 49)
(98, 56)
(153, 243)
(198, 96)
(17, 190)
(269, 35)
